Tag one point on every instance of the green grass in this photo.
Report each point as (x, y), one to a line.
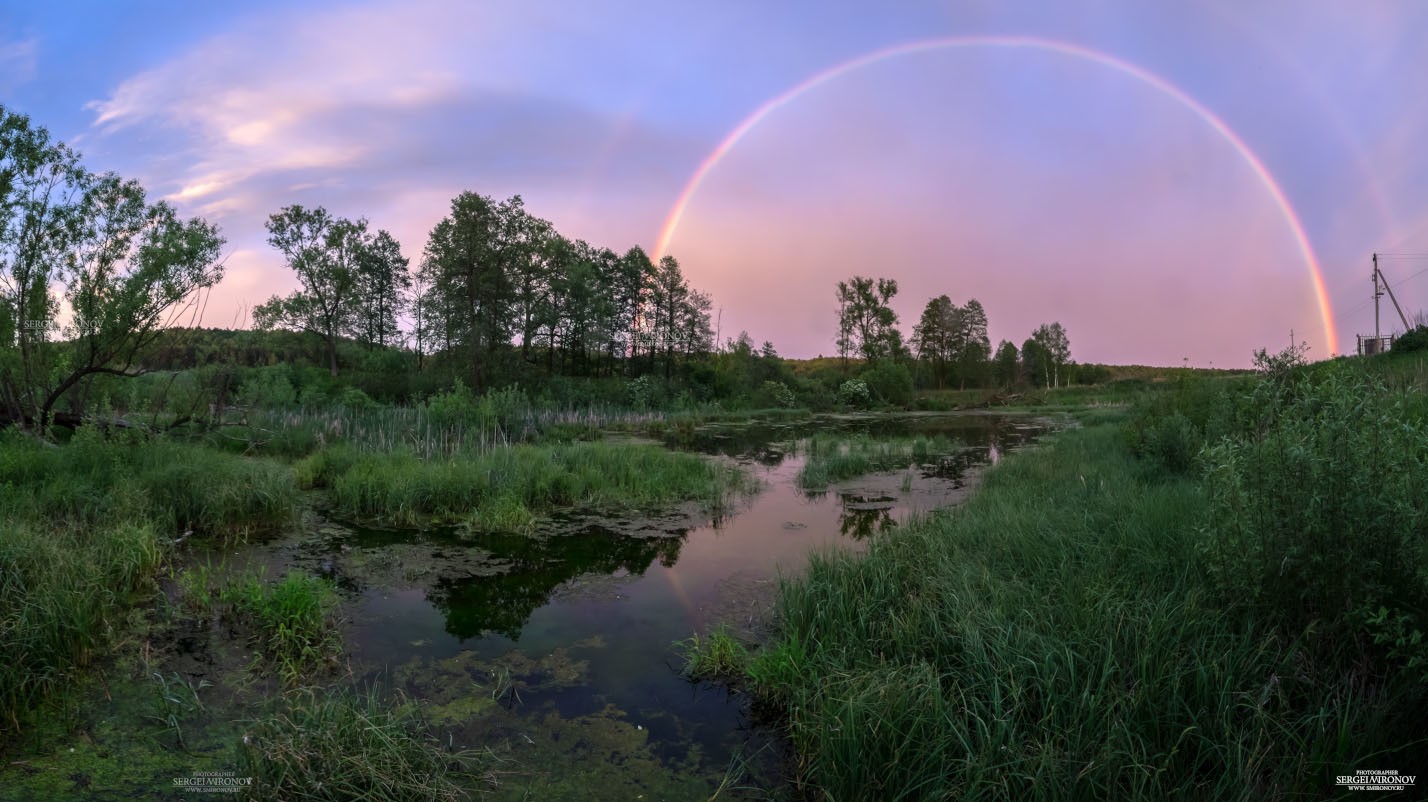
(178, 487)
(833, 458)
(345, 746)
(293, 621)
(1054, 638)
(84, 529)
(718, 655)
(509, 487)
(63, 593)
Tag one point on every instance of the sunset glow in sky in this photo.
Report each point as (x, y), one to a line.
(1170, 181)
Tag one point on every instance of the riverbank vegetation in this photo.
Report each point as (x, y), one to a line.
(1219, 596)
(1215, 591)
(509, 487)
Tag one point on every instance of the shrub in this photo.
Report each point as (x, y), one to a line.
(855, 393)
(1317, 518)
(889, 382)
(779, 394)
(1415, 339)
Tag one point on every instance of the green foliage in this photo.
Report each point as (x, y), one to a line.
(855, 393)
(119, 263)
(1050, 628)
(293, 621)
(889, 382)
(833, 458)
(507, 486)
(96, 480)
(1415, 339)
(331, 746)
(867, 324)
(1318, 508)
(63, 591)
(779, 394)
(268, 389)
(175, 701)
(716, 656)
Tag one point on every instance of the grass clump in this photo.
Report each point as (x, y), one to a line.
(63, 592)
(834, 458)
(1056, 638)
(718, 655)
(328, 746)
(509, 487)
(293, 621)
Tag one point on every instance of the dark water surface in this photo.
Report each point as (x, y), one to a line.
(558, 651)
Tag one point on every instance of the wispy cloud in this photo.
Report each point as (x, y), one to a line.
(19, 59)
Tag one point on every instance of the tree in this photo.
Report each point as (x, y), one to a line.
(383, 291)
(325, 253)
(934, 336)
(121, 265)
(677, 316)
(973, 348)
(866, 323)
(469, 260)
(1056, 350)
(1004, 364)
(1035, 362)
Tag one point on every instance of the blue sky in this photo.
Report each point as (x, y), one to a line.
(1046, 185)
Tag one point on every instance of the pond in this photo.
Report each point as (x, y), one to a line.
(558, 652)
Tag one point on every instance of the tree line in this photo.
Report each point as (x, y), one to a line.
(495, 283)
(949, 343)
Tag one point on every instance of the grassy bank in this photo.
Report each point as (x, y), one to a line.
(84, 528)
(1057, 637)
(509, 488)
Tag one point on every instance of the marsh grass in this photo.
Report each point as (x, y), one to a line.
(717, 655)
(63, 593)
(84, 530)
(293, 621)
(1054, 638)
(325, 745)
(175, 703)
(833, 458)
(418, 430)
(180, 488)
(509, 488)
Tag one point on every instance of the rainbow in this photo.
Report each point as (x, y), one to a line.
(676, 212)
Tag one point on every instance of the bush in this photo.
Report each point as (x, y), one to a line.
(855, 393)
(267, 388)
(1415, 339)
(778, 394)
(889, 382)
(1317, 516)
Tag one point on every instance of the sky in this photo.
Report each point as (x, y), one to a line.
(1176, 183)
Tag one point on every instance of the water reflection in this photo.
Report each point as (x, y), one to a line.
(601, 608)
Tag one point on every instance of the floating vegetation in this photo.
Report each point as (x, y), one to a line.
(834, 458)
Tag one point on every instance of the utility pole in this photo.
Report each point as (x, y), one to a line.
(1377, 294)
(1380, 284)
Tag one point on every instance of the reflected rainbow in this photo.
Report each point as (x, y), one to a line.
(1166, 88)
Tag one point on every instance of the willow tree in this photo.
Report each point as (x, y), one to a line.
(90, 273)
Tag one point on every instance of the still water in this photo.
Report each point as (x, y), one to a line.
(558, 653)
